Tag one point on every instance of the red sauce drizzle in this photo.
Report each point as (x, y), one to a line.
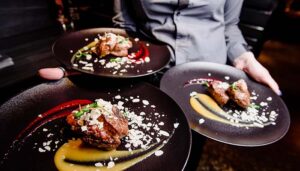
(50, 115)
(199, 81)
(141, 54)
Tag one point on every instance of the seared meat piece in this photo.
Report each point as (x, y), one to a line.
(113, 44)
(218, 91)
(239, 93)
(107, 44)
(101, 125)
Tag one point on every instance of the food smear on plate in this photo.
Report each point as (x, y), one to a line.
(231, 104)
(207, 107)
(75, 155)
(111, 52)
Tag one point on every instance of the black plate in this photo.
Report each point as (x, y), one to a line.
(159, 54)
(173, 84)
(19, 111)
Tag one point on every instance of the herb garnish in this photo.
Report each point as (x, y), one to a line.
(205, 83)
(80, 54)
(254, 106)
(115, 60)
(85, 109)
(233, 86)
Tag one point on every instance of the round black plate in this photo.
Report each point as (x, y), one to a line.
(173, 84)
(19, 111)
(159, 54)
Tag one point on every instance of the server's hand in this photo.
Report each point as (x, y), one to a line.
(52, 73)
(253, 68)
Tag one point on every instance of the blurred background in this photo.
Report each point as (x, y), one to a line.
(272, 29)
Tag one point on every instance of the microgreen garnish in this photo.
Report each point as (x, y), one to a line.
(82, 111)
(254, 106)
(115, 60)
(80, 54)
(205, 83)
(233, 86)
(126, 113)
(94, 105)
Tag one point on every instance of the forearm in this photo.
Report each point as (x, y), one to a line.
(235, 42)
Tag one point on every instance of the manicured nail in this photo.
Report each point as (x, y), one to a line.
(51, 73)
(280, 93)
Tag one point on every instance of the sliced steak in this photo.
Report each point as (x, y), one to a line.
(101, 130)
(218, 89)
(239, 93)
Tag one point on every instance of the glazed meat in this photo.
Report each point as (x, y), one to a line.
(218, 91)
(113, 44)
(239, 93)
(101, 124)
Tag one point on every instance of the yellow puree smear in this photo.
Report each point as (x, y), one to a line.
(213, 106)
(90, 45)
(210, 103)
(75, 150)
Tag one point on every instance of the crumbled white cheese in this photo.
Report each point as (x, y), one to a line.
(158, 153)
(117, 97)
(147, 59)
(84, 128)
(201, 121)
(41, 150)
(192, 94)
(110, 164)
(47, 148)
(145, 102)
(176, 125)
(161, 123)
(98, 164)
(88, 57)
(263, 104)
(164, 133)
(135, 100)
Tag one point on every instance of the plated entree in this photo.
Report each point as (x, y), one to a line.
(112, 52)
(111, 136)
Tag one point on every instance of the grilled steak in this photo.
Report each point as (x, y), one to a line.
(101, 124)
(218, 91)
(239, 93)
